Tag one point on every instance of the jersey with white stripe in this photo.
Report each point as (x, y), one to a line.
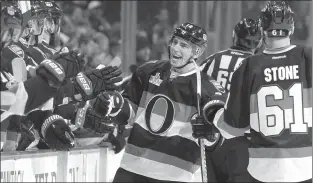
(160, 145)
(222, 65)
(271, 94)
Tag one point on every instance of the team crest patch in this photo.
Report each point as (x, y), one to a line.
(17, 50)
(155, 79)
(218, 86)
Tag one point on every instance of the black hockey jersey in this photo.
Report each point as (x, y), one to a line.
(271, 94)
(47, 49)
(221, 65)
(161, 145)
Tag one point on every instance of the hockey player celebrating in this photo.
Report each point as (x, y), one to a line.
(19, 98)
(160, 102)
(221, 66)
(51, 28)
(270, 95)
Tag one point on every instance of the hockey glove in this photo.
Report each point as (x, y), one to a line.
(72, 62)
(90, 84)
(202, 129)
(108, 103)
(27, 135)
(52, 72)
(57, 134)
(88, 119)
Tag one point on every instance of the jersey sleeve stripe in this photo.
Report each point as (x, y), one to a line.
(226, 130)
(155, 171)
(295, 168)
(173, 145)
(160, 157)
(280, 152)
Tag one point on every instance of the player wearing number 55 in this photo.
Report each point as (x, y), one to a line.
(270, 95)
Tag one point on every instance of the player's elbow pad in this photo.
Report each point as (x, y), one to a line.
(125, 114)
(210, 109)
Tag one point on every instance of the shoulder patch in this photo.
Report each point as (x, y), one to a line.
(217, 86)
(17, 50)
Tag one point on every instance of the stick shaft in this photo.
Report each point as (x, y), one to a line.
(201, 141)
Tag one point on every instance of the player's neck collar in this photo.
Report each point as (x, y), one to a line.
(279, 50)
(240, 49)
(177, 72)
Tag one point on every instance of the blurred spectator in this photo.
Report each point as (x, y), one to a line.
(97, 49)
(96, 18)
(160, 35)
(143, 52)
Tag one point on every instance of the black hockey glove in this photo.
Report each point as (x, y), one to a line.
(200, 128)
(90, 84)
(72, 62)
(27, 135)
(90, 120)
(108, 103)
(57, 134)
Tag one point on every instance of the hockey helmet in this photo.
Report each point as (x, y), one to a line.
(193, 34)
(11, 21)
(246, 33)
(34, 13)
(53, 20)
(277, 19)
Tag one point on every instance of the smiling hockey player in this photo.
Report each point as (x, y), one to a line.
(159, 102)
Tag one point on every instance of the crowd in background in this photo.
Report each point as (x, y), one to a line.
(94, 29)
(86, 27)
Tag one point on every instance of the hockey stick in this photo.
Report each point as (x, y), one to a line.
(201, 141)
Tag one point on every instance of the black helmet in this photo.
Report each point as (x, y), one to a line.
(246, 34)
(277, 19)
(193, 34)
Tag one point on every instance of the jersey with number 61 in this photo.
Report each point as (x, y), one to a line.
(271, 94)
(221, 65)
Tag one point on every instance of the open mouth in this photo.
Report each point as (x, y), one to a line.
(176, 57)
